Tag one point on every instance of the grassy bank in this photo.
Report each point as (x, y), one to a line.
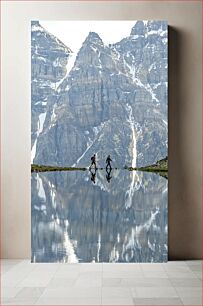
(43, 168)
(161, 168)
(159, 171)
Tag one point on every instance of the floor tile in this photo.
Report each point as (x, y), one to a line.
(36, 281)
(90, 267)
(177, 268)
(15, 275)
(185, 282)
(196, 268)
(67, 274)
(146, 282)
(30, 292)
(5, 268)
(111, 282)
(117, 301)
(69, 301)
(74, 292)
(22, 301)
(90, 274)
(70, 267)
(151, 267)
(175, 263)
(158, 301)
(46, 268)
(147, 292)
(112, 267)
(155, 274)
(178, 274)
(9, 292)
(39, 276)
(193, 262)
(68, 271)
(116, 292)
(61, 282)
(192, 301)
(4, 301)
(10, 261)
(123, 274)
(198, 274)
(189, 291)
(169, 283)
(88, 282)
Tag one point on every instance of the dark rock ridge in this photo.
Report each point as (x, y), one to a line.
(113, 100)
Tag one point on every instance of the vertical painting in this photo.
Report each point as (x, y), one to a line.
(99, 141)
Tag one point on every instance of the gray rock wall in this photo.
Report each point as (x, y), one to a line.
(113, 101)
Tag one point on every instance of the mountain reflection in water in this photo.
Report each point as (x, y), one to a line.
(116, 218)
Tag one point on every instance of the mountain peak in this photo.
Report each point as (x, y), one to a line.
(138, 28)
(35, 22)
(155, 25)
(36, 26)
(94, 38)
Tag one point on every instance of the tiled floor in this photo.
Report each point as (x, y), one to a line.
(173, 283)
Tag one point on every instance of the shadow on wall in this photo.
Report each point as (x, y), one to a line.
(184, 230)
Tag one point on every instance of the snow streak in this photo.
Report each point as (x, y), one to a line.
(40, 126)
(135, 183)
(69, 66)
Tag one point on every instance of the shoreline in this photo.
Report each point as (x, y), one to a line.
(154, 169)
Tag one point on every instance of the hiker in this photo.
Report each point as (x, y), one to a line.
(108, 162)
(93, 161)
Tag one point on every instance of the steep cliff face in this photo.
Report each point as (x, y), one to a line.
(113, 100)
(48, 62)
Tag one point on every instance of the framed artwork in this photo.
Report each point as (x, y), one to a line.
(99, 134)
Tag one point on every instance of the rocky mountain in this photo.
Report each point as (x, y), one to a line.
(48, 62)
(105, 100)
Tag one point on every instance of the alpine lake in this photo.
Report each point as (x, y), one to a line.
(99, 216)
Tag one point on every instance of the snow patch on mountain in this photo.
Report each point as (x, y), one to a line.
(71, 257)
(134, 140)
(40, 188)
(136, 80)
(90, 142)
(40, 126)
(134, 241)
(69, 67)
(36, 28)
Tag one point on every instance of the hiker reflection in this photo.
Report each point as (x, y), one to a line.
(93, 162)
(108, 163)
(108, 176)
(93, 176)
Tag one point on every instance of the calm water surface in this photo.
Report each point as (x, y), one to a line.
(115, 217)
